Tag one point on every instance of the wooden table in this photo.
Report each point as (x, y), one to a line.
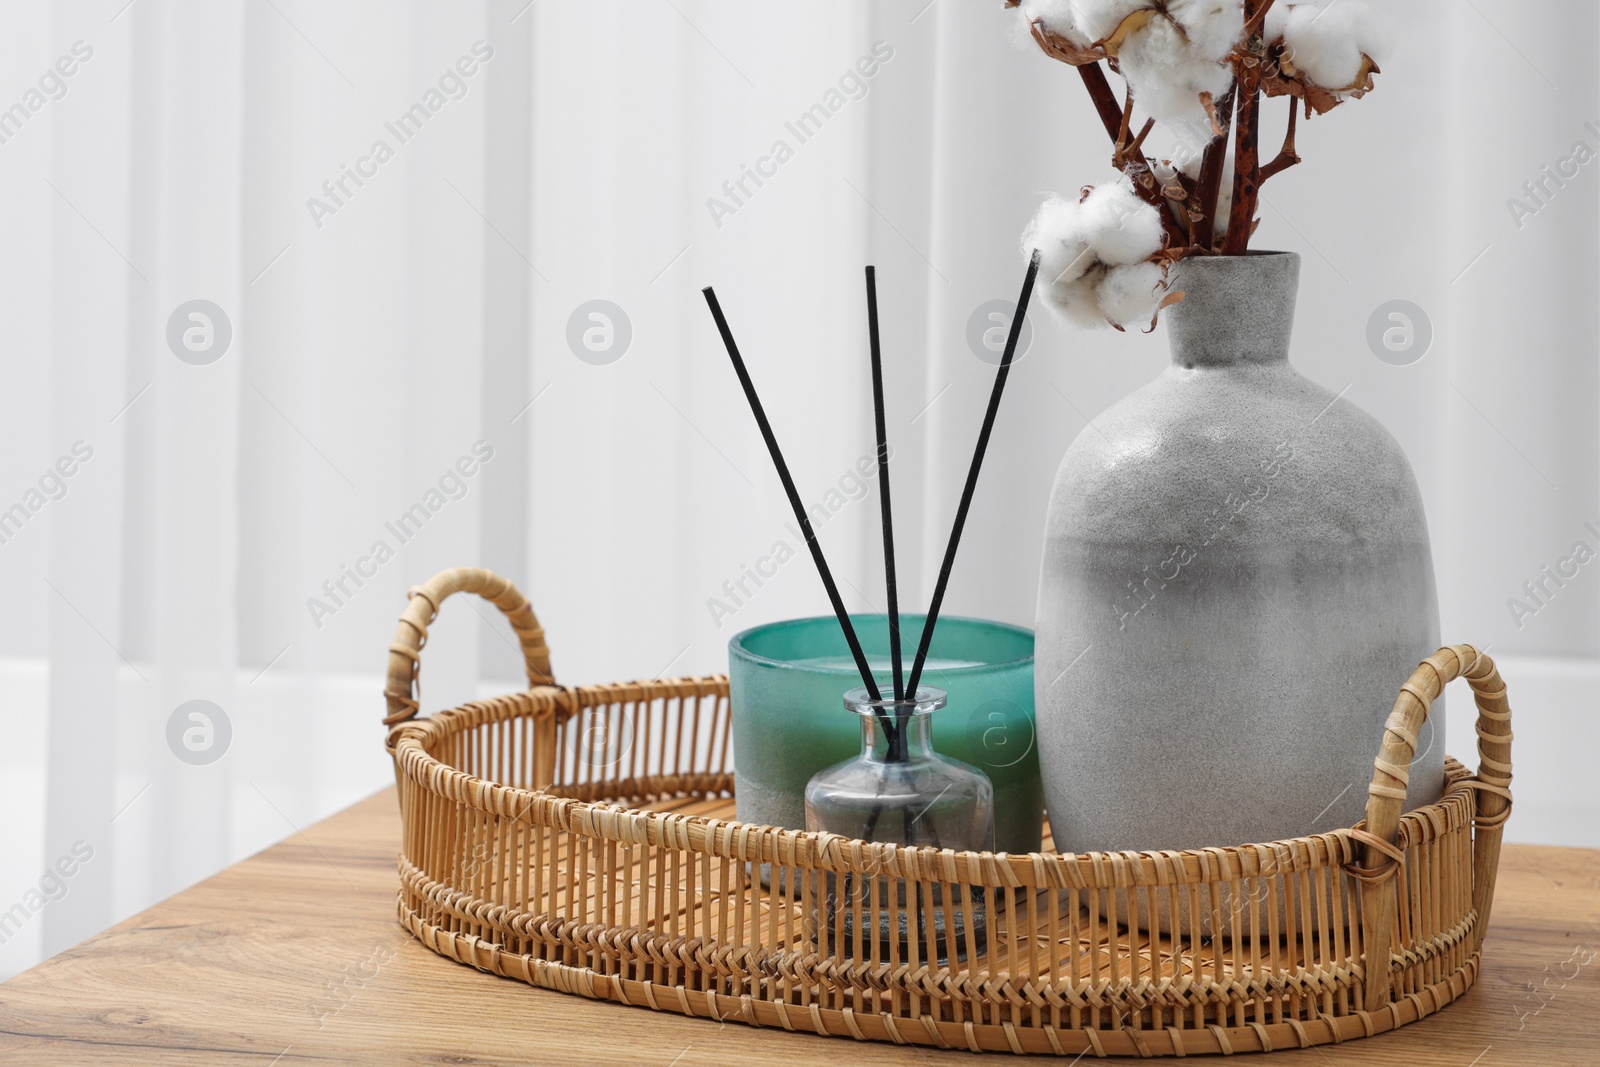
(294, 956)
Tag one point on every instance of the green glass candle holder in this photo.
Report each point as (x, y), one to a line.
(785, 681)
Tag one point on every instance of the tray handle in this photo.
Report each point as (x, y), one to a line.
(422, 607)
(1386, 796)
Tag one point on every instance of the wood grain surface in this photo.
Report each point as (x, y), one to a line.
(294, 956)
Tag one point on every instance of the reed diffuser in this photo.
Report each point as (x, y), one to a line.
(897, 789)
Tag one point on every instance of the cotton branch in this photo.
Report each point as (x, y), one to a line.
(1211, 164)
(1246, 158)
(1246, 176)
(1254, 21)
(1115, 117)
(1138, 171)
(1286, 155)
(1124, 123)
(1137, 147)
(1104, 100)
(1132, 150)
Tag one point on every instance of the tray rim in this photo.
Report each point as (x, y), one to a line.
(606, 819)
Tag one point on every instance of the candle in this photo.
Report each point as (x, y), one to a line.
(786, 680)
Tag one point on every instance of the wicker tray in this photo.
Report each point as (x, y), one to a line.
(581, 839)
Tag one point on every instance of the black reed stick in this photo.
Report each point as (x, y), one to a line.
(793, 495)
(883, 482)
(972, 473)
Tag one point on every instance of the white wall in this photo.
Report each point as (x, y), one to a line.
(372, 351)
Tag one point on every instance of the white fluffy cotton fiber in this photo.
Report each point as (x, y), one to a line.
(1169, 57)
(1095, 255)
(1327, 41)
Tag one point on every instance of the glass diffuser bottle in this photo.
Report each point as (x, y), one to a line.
(900, 791)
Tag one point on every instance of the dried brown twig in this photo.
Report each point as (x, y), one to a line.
(1137, 146)
(1104, 100)
(1110, 112)
(1286, 157)
(1246, 157)
(1209, 191)
(1123, 124)
(1253, 21)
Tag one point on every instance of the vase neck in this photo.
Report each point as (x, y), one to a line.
(1236, 310)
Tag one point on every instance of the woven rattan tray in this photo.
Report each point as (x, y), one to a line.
(581, 839)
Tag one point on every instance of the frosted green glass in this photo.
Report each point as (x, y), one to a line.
(787, 681)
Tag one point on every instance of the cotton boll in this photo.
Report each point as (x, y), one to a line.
(1156, 54)
(1373, 31)
(1121, 228)
(1213, 27)
(1129, 294)
(1019, 31)
(1327, 43)
(1078, 301)
(1060, 232)
(1318, 42)
(1172, 94)
(1099, 19)
(1060, 17)
(1277, 18)
(1109, 233)
(1166, 76)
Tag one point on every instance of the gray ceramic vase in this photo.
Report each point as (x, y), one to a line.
(1236, 582)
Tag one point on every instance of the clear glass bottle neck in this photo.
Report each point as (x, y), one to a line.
(891, 738)
(896, 731)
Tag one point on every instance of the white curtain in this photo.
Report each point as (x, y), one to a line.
(400, 317)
